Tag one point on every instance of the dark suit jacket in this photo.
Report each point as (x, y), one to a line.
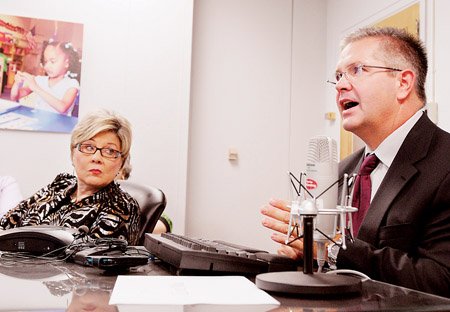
(405, 236)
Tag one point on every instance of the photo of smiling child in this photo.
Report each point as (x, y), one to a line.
(55, 91)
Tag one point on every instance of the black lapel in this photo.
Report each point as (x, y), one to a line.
(414, 148)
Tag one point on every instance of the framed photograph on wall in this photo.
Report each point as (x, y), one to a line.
(41, 74)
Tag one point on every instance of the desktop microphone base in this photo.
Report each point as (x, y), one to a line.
(296, 282)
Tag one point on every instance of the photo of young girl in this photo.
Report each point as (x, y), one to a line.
(42, 86)
(57, 90)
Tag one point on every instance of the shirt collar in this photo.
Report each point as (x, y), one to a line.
(387, 150)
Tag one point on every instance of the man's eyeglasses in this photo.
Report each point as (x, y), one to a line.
(354, 71)
(105, 151)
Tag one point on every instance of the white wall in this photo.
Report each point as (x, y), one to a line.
(256, 86)
(136, 60)
(307, 116)
(442, 62)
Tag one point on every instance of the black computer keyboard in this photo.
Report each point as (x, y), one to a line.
(187, 255)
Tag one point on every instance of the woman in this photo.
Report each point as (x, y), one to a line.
(100, 144)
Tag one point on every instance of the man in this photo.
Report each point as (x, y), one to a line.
(404, 238)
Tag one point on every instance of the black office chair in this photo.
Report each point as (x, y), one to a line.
(152, 202)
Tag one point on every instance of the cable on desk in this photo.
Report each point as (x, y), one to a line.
(350, 272)
(56, 255)
(63, 253)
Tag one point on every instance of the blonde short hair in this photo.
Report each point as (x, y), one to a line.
(102, 121)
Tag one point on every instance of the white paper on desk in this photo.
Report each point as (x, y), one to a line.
(189, 290)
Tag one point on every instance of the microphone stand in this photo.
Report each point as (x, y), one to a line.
(308, 244)
(308, 282)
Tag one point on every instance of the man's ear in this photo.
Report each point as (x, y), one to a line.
(406, 84)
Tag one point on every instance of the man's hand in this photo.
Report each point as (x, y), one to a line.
(277, 215)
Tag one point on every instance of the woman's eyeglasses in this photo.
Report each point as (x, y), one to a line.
(105, 151)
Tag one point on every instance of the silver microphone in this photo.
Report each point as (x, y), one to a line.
(321, 177)
(317, 199)
(321, 182)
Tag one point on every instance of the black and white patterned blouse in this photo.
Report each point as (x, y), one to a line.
(110, 212)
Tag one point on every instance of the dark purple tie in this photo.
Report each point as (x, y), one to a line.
(362, 191)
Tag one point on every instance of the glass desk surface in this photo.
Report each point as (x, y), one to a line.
(61, 286)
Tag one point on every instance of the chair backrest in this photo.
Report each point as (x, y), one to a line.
(152, 202)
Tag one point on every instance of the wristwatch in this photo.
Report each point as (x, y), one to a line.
(333, 250)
